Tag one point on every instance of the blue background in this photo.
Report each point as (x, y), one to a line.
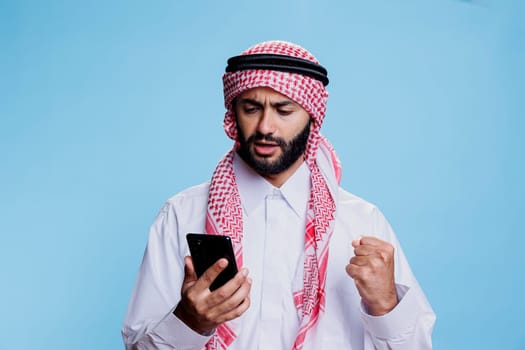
(109, 108)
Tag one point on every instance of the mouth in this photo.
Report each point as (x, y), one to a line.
(265, 149)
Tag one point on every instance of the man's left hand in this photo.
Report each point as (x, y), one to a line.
(372, 269)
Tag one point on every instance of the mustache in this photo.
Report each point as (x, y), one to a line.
(266, 137)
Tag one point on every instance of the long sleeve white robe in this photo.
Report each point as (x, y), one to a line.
(273, 245)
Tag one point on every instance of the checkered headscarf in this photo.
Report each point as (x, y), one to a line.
(224, 214)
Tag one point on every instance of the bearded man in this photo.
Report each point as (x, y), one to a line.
(325, 268)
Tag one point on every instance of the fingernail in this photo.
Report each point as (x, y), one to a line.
(244, 272)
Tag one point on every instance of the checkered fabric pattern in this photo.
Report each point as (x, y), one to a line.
(224, 205)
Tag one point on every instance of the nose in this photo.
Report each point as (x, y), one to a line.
(266, 124)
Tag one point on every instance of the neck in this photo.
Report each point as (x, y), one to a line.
(278, 180)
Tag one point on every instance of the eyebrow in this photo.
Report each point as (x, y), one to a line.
(256, 103)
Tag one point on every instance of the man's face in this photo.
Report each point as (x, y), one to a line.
(273, 130)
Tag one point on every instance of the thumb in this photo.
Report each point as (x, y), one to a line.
(189, 271)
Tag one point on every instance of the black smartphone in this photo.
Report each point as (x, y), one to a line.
(206, 250)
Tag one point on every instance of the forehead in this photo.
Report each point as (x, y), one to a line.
(262, 94)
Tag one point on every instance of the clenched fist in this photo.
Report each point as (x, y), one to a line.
(372, 269)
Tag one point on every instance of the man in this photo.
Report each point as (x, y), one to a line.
(326, 270)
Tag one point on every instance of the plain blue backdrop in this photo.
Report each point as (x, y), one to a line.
(107, 108)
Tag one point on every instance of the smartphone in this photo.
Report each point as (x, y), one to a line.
(206, 250)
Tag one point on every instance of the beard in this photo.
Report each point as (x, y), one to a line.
(290, 151)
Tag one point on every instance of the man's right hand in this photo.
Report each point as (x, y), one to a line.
(203, 310)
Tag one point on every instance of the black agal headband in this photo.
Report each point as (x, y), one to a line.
(280, 63)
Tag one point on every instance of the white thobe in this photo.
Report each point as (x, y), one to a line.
(273, 249)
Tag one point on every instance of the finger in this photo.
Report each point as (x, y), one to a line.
(229, 288)
(364, 250)
(233, 306)
(375, 262)
(358, 273)
(360, 260)
(356, 242)
(234, 313)
(352, 270)
(211, 274)
(373, 241)
(385, 249)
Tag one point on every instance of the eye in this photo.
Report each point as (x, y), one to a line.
(284, 112)
(250, 109)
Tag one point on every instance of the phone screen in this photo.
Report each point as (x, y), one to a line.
(206, 250)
